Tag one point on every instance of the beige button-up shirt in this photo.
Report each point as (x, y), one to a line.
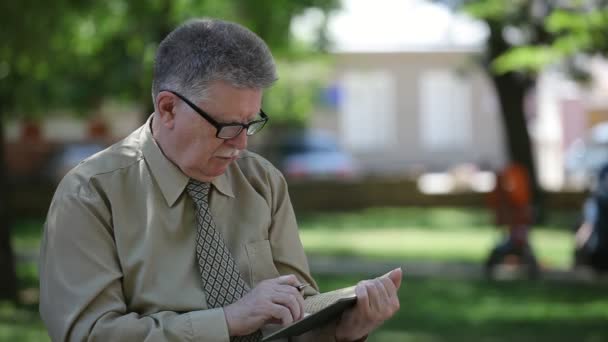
(117, 258)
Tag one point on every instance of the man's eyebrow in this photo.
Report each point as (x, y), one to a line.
(254, 116)
(249, 119)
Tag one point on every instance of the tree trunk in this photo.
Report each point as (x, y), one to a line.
(511, 93)
(511, 89)
(8, 283)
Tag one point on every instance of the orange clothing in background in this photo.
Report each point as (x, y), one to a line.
(511, 196)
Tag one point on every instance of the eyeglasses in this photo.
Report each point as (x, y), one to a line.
(227, 130)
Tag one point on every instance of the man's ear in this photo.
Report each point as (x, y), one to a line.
(166, 104)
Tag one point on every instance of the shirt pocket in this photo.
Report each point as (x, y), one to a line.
(261, 264)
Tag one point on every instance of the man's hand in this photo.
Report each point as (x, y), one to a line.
(377, 301)
(271, 301)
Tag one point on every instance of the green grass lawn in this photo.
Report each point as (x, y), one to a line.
(21, 323)
(439, 234)
(26, 235)
(442, 310)
(431, 309)
(458, 310)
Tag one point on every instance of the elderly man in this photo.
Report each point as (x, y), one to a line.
(177, 232)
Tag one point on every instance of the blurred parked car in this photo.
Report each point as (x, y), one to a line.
(585, 156)
(67, 156)
(315, 154)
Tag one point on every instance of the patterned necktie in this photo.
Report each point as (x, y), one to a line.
(220, 276)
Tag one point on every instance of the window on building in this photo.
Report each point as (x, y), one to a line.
(367, 110)
(445, 110)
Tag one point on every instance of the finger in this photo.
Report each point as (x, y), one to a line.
(297, 295)
(281, 313)
(392, 301)
(383, 297)
(362, 297)
(300, 299)
(389, 286)
(288, 289)
(288, 279)
(395, 276)
(289, 301)
(373, 295)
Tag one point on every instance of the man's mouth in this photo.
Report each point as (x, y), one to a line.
(232, 155)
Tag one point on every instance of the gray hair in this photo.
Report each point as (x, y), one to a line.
(205, 50)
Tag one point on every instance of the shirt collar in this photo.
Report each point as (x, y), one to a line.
(222, 183)
(171, 180)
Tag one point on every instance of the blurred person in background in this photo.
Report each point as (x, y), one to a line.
(177, 232)
(591, 247)
(511, 201)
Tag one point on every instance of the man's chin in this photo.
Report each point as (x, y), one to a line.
(220, 168)
(208, 174)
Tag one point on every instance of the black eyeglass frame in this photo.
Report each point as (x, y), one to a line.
(219, 126)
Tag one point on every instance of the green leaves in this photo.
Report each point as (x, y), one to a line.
(73, 54)
(576, 21)
(526, 58)
(495, 10)
(555, 31)
(292, 99)
(579, 31)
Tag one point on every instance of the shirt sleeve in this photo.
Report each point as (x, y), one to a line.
(288, 252)
(81, 295)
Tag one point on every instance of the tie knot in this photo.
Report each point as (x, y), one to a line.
(199, 191)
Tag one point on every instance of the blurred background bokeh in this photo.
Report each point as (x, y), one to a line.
(393, 121)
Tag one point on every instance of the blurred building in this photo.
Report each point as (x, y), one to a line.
(569, 128)
(408, 95)
(42, 150)
(428, 109)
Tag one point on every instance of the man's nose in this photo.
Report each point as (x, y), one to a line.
(240, 141)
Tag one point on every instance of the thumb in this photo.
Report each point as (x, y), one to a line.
(395, 276)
